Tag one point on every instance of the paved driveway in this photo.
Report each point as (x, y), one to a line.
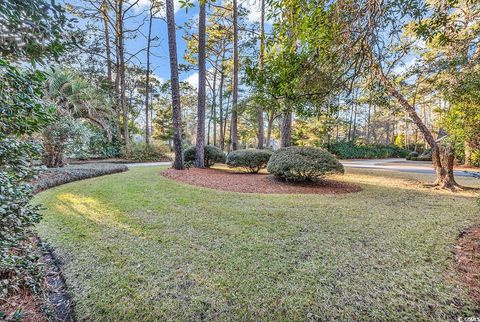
(379, 164)
(403, 165)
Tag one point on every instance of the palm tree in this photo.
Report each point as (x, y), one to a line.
(75, 96)
(75, 99)
(177, 116)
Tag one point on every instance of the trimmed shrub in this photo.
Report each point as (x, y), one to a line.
(212, 155)
(142, 152)
(303, 163)
(359, 150)
(251, 160)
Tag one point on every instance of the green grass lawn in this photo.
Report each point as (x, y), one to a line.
(139, 247)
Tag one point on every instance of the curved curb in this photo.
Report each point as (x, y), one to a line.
(57, 292)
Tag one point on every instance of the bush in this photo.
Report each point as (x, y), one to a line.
(351, 150)
(142, 152)
(100, 147)
(212, 155)
(411, 155)
(251, 160)
(303, 163)
(22, 114)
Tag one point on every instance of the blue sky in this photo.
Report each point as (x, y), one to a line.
(160, 58)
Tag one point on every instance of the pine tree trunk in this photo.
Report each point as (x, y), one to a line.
(176, 108)
(261, 63)
(107, 40)
(200, 143)
(147, 80)
(269, 130)
(220, 94)
(213, 114)
(234, 125)
(121, 70)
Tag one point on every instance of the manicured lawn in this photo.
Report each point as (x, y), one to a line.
(140, 247)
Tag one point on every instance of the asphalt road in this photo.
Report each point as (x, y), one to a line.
(378, 164)
(403, 166)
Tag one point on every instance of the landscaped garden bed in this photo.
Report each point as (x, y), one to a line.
(51, 177)
(223, 179)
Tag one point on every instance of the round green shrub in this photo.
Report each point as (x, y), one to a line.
(212, 155)
(251, 160)
(298, 163)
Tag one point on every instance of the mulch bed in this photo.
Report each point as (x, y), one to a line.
(467, 257)
(255, 183)
(52, 177)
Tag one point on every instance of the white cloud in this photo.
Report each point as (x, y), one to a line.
(255, 13)
(192, 79)
(145, 4)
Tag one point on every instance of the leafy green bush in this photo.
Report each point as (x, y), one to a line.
(303, 163)
(22, 113)
(351, 150)
(142, 152)
(212, 155)
(251, 160)
(100, 147)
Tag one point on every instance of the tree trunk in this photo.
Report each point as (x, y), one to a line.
(261, 63)
(121, 69)
(220, 94)
(234, 125)
(468, 154)
(147, 80)
(286, 132)
(200, 145)
(442, 156)
(107, 40)
(213, 115)
(176, 108)
(271, 118)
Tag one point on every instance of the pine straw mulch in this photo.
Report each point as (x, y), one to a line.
(467, 257)
(255, 183)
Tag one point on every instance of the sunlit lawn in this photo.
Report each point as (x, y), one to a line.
(139, 247)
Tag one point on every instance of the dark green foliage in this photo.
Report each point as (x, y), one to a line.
(212, 155)
(298, 163)
(21, 113)
(350, 150)
(100, 147)
(142, 152)
(251, 160)
(38, 23)
(411, 155)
